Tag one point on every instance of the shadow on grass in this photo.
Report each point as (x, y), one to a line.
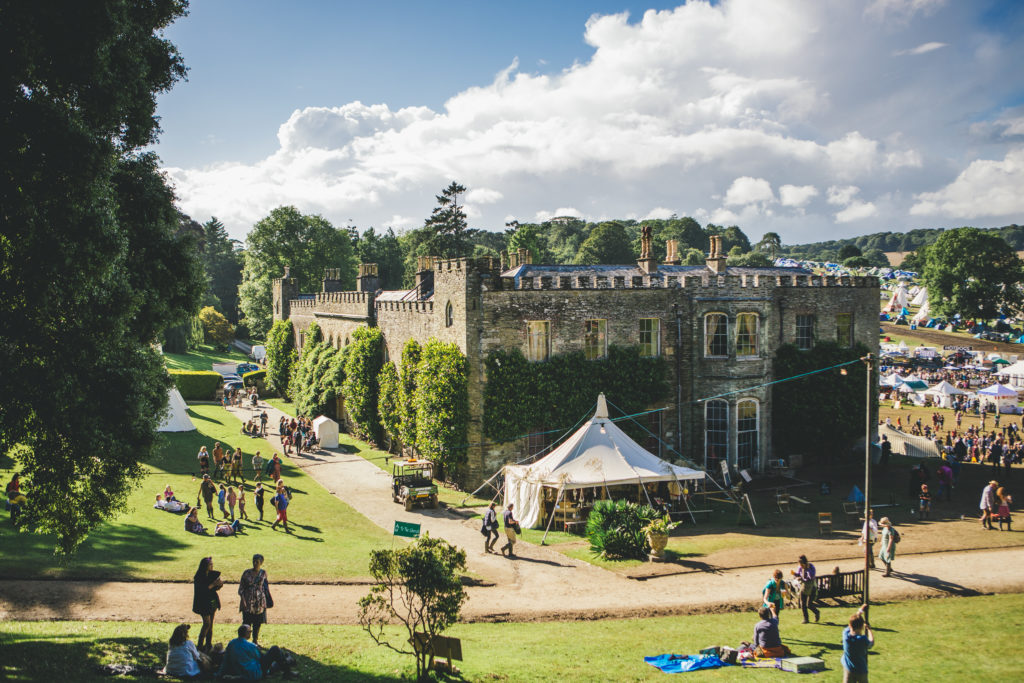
(78, 658)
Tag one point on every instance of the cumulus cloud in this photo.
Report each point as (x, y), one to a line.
(747, 190)
(660, 213)
(985, 188)
(669, 109)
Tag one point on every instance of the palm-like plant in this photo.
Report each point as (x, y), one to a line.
(618, 529)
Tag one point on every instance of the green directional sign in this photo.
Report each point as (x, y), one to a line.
(407, 529)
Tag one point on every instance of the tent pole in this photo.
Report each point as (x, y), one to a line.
(551, 519)
(644, 488)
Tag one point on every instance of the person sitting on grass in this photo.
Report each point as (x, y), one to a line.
(169, 494)
(244, 660)
(192, 524)
(183, 659)
(228, 528)
(169, 505)
(767, 641)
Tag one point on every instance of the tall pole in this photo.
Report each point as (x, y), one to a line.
(868, 546)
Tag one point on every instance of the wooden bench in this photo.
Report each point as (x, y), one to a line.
(841, 585)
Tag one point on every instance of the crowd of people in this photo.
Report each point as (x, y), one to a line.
(242, 658)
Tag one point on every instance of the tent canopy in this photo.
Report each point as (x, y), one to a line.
(326, 431)
(176, 418)
(598, 454)
(944, 388)
(998, 390)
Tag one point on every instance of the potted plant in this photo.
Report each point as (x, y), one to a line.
(657, 535)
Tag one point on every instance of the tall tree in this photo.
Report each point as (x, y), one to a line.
(94, 263)
(287, 237)
(973, 273)
(384, 250)
(448, 224)
(223, 263)
(529, 236)
(608, 243)
(770, 242)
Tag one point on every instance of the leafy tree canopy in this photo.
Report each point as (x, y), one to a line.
(95, 263)
(973, 273)
(384, 250)
(287, 237)
(222, 261)
(609, 244)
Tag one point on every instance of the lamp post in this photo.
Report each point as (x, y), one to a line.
(868, 362)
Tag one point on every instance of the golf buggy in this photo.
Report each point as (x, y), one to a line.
(412, 482)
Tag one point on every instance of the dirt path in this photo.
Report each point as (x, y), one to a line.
(915, 577)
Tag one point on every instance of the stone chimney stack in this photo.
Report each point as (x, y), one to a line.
(424, 275)
(647, 263)
(332, 280)
(672, 253)
(367, 280)
(716, 258)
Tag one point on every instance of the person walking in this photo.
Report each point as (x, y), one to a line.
(988, 504)
(208, 490)
(257, 496)
(490, 528)
(807, 575)
(257, 467)
(222, 497)
(510, 532)
(236, 467)
(868, 535)
(264, 418)
(1004, 500)
(241, 504)
(232, 501)
(205, 601)
(204, 461)
(281, 501)
(887, 553)
(218, 459)
(254, 597)
(857, 639)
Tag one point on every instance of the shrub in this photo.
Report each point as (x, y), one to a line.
(616, 529)
(388, 401)
(362, 370)
(281, 356)
(442, 405)
(197, 385)
(216, 327)
(411, 353)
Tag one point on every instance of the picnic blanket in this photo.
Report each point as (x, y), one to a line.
(675, 664)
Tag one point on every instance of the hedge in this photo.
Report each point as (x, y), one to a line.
(259, 378)
(197, 385)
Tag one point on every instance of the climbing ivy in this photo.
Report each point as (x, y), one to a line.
(521, 397)
(411, 353)
(388, 402)
(281, 355)
(362, 371)
(442, 405)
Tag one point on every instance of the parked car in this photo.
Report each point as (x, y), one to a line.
(246, 367)
(232, 378)
(233, 384)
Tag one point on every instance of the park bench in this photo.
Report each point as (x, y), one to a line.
(840, 585)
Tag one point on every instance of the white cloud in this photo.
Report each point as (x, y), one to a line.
(747, 190)
(660, 213)
(797, 195)
(671, 108)
(985, 188)
(921, 49)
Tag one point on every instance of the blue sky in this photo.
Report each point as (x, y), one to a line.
(814, 119)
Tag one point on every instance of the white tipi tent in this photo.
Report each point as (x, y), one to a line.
(921, 299)
(924, 314)
(898, 301)
(176, 418)
(598, 454)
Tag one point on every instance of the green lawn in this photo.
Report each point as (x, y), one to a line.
(329, 540)
(203, 358)
(914, 642)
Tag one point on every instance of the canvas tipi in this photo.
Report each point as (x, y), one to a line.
(176, 418)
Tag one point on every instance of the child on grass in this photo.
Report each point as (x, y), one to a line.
(221, 498)
(924, 501)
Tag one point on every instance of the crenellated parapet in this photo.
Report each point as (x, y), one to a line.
(696, 280)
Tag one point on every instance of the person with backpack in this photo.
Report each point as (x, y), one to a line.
(490, 528)
(807, 575)
(890, 537)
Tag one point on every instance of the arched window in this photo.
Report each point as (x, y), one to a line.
(747, 435)
(746, 335)
(448, 315)
(716, 434)
(716, 335)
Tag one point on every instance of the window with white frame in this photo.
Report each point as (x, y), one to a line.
(650, 337)
(595, 339)
(746, 335)
(804, 332)
(844, 330)
(716, 434)
(716, 335)
(538, 340)
(746, 435)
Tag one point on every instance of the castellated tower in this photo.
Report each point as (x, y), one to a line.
(285, 289)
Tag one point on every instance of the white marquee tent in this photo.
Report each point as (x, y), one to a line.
(598, 454)
(326, 431)
(1003, 396)
(943, 393)
(1015, 372)
(176, 418)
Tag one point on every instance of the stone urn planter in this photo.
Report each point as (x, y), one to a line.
(657, 541)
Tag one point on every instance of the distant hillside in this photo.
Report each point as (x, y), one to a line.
(893, 244)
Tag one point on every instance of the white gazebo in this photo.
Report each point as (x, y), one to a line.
(326, 431)
(1003, 396)
(597, 455)
(1015, 372)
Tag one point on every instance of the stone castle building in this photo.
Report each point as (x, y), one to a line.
(716, 327)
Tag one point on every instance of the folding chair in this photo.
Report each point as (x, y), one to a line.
(825, 522)
(782, 500)
(852, 512)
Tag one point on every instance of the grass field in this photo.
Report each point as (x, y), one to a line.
(203, 358)
(915, 641)
(329, 540)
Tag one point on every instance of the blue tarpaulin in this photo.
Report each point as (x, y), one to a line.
(676, 664)
(856, 495)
